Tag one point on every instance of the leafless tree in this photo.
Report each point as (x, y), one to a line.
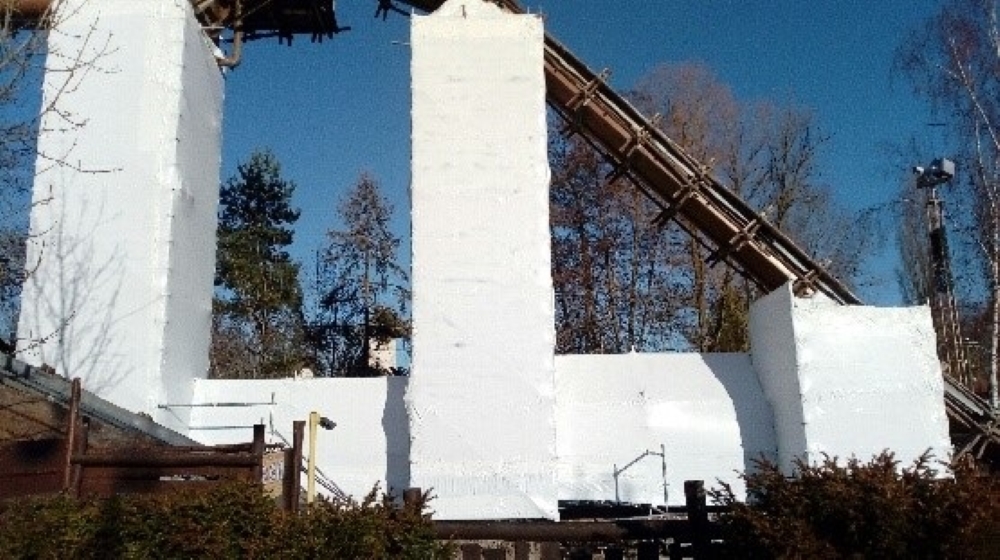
(953, 62)
(623, 282)
(615, 285)
(769, 155)
(26, 57)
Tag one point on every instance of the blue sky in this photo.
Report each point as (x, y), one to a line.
(333, 110)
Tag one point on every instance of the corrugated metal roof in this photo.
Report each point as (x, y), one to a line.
(33, 405)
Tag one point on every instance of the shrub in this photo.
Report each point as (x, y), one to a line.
(230, 521)
(858, 510)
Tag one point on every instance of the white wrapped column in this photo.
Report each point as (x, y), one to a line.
(480, 399)
(849, 380)
(122, 251)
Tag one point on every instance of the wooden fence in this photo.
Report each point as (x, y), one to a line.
(66, 464)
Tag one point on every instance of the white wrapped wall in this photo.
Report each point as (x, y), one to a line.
(706, 410)
(122, 257)
(481, 394)
(849, 380)
(122, 243)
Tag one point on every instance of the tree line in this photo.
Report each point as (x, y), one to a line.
(623, 281)
(952, 62)
(261, 327)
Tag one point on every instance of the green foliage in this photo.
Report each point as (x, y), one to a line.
(852, 509)
(229, 522)
(257, 328)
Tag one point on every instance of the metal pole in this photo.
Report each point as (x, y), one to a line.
(942, 293)
(614, 469)
(663, 464)
(311, 472)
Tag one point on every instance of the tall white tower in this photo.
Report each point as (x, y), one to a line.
(484, 340)
(122, 247)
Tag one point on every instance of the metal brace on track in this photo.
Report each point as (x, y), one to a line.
(735, 243)
(640, 138)
(588, 91)
(685, 193)
(806, 284)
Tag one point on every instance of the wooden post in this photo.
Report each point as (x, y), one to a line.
(413, 498)
(294, 495)
(83, 435)
(72, 426)
(697, 511)
(258, 453)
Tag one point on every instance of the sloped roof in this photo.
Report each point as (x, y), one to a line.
(34, 404)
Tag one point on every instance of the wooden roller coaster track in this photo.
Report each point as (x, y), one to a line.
(683, 187)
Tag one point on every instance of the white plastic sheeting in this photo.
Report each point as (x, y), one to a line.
(122, 241)
(481, 400)
(707, 411)
(849, 380)
(369, 445)
(823, 378)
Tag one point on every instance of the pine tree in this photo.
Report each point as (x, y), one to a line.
(361, 296)
(257, 313)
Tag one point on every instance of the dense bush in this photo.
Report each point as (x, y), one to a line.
(235, 521)
(851, 509)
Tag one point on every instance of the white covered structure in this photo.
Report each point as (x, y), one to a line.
(846, 380)
(122, 240)
(491, 421)
(482, 286)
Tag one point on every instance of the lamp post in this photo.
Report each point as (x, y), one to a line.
(940, 172)
(315, 421)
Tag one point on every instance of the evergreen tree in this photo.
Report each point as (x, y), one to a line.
(360, 291)
(257, 313)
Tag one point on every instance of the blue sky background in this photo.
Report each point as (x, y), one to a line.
(333, 110)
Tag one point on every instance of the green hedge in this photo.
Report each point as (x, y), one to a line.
(851, 509)
(233, 521)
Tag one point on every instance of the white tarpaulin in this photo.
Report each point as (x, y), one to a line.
(370, 444)
(706, 412)
(849, 380)
(122, 245)
(481, 398)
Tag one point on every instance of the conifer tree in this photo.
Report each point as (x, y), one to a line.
(361, 295)
(257, 328)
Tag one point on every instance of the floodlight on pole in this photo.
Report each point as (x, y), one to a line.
(939, 172)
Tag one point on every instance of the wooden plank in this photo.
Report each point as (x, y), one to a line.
(30, 484)
(144, 473)
(105, 487)
(165, 459)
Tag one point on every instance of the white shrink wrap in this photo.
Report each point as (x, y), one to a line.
(122, 248)
(369, 445)
(480, 400)
(849, 380)
(706, 414)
